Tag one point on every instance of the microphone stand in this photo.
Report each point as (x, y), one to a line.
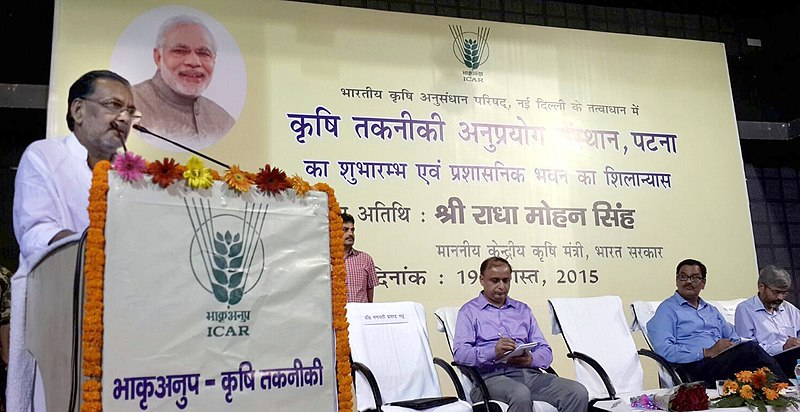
(145, 130)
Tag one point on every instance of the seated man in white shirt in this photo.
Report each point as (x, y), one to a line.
(771, 321)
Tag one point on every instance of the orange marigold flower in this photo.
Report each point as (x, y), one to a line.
(770, 393)
(299, 185)
(746, 392)
(238, 180)
(730, 387)
(744, 376)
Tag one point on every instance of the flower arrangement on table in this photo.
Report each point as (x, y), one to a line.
(164, 173)
(684, 397)
(754, 389)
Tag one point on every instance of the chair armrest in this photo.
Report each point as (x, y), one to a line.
(612, 393)
(370, 377)
(477, 380)
(673, 372)
(452, 373)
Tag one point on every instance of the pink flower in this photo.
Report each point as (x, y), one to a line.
(130, 166)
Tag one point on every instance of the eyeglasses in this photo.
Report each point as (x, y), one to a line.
(114, 106)
(783, 293)
(693, 279)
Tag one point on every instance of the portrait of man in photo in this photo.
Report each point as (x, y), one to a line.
(172, 102)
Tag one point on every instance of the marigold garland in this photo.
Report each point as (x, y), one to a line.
(94, 265)
(339, 292)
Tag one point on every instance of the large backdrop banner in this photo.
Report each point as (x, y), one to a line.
(593, 162)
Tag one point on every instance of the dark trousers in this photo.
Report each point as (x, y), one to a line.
(788, 360)
(744, 356)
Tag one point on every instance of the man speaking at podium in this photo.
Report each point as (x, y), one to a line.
(51, 195)
(51, 191)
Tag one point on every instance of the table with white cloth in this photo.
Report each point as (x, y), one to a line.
(623, 404)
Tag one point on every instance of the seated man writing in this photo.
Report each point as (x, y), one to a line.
(694, 335)
(771, 321)
(492, 325)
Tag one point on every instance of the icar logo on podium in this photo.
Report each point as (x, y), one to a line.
(226, 252)
(226, 255)
(472, 50)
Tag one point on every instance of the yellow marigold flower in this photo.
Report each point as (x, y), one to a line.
(779, 386)
(730, 387)
(299, 185)
(744, 376)
(237, 179)
(746, 392)
(770, 394)
(197, 175)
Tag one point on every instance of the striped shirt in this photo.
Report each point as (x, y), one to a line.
(361, 275)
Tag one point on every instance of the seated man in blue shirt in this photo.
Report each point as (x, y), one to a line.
(492, 325)
(771, 321)
(694, 335)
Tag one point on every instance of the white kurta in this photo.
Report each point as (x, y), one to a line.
(51, 193)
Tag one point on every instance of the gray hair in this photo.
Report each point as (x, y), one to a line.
(775, 276)
(182, 20)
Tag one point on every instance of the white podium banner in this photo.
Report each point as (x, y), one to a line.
(216, 301)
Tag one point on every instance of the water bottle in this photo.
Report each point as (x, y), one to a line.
(797, 377)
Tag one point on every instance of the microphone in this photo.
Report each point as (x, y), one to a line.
(121, 134)
(145, 130)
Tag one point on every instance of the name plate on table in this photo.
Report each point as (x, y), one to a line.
(382, 318)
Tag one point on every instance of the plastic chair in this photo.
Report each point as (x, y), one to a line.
(643, 311)
(393, 368)
(727, 308)
(601, 346)
(469, 376)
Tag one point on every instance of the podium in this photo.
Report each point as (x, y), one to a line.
(52, 333)
(211, 300)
